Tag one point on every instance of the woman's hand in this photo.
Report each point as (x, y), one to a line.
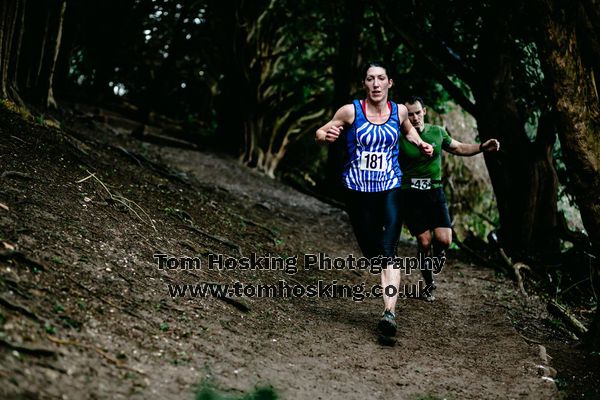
(330, 132)
(333, 133)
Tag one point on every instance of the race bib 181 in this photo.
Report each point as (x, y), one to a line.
(373, 161)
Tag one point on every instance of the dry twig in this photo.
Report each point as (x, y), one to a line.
(215, 238)
(16, 174)
(120, 199)
(98, 350)
(96, 295)
(564, 314)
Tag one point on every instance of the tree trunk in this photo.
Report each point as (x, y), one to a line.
(13, 85)
(234, 104)
(286, 130)
(526, 197)
(53, 56)
(8, 25)
(523, 177)
(2, 59)
(522, 174)
(345, 71)
(37, 68)
(578, 112)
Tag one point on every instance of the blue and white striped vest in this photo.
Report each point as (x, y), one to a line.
(373, 153)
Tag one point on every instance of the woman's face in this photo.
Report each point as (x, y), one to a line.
(377, 84)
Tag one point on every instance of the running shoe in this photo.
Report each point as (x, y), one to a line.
(387, 324)
(427, 292)
(438, 268)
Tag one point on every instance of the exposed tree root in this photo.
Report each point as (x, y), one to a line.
(33, 351)
(22, 258)
(215, 238)
(98, 350)
(16, 174)
(102, 299)
(569, 319)
(511, 268)
(18, 307)
(154, 166)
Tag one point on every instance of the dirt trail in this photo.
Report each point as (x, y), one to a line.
(88, 291)
(462, 346)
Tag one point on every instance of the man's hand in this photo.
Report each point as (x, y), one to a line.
(490, 145)
(426, 148)
(333, 133)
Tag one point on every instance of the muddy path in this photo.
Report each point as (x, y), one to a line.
(86, 312)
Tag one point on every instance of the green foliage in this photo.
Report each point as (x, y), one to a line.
(69, 322)
(49, 328)
(207, 391)
(566, 199)
(561, 384)
(81, 304)
(429, 397)
(556, 323)
(57, 260)
(40, 120)
(58, 308)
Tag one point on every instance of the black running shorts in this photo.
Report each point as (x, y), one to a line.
(424, 210)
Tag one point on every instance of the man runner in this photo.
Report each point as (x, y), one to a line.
(422, 195)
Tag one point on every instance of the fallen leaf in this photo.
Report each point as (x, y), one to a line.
(9, 246)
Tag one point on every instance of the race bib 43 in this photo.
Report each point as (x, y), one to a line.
(420, 183)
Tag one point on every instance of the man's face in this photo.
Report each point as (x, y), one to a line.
(416, 115)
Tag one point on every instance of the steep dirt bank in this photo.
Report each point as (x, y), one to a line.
(86, 312)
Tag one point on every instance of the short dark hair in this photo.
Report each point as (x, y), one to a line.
(370, 64)
(415, 100)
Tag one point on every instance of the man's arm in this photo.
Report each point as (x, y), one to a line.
(470, 149)
(329, 132)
